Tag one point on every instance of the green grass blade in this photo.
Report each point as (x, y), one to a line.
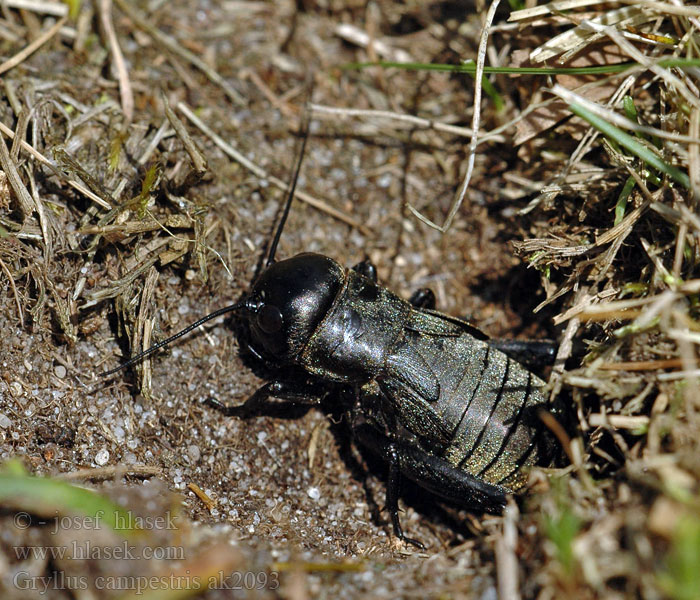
(470, 67)
(49, 498)
(621, 204)
(631, 145)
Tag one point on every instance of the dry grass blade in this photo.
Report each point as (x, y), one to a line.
(506, 559)
(24, 199)
(131, 227)
(111, 472)
(550, 8)
(45, 161)
(355, 35)
(127, 95)
(262, 174)
(645, 365)
(176, 48)
(11, 280)
(694, 157)
(618, 421)
(22, 55)
(673, 82)
(613, 117)
(611, 233)
(410, 119)
(141, 339)
(573, 41)
(476, 120)
(667, 8)
(57, 9)
(198, 159)
(118, 287)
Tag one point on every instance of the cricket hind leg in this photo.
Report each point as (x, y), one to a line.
(431, 473)
(393, 487)
(532, 354)
(368, 437)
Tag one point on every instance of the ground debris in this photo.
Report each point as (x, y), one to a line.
(143, 162)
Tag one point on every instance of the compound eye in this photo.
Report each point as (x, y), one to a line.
(269, 319)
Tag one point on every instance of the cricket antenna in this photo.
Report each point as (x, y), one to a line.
(304, 130)
(134, 359)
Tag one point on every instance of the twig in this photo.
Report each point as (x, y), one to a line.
(110, 472)
(260, 172)
(199, 492)
(125, 91)
(18, 58)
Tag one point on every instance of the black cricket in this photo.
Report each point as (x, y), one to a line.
(441, 403)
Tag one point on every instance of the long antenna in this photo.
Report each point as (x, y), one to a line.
(304, 129)
(134, 359)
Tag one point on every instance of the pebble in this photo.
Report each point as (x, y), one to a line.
(102, 458)
(60, 371)
(194, 453)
